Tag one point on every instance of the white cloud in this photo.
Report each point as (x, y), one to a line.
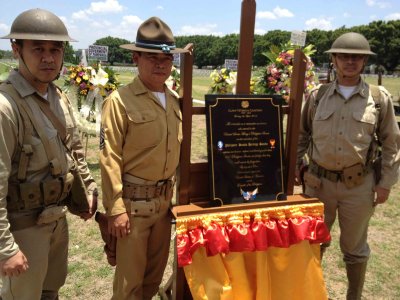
(105, 7)
(380, 4)
(276, 13)
(346, 15)
(259, 31)
(265, 15)
(393, 16)
(131, 21)
(160, 7)
(108, 6)
(282, 12)
(203, 29)
(4, 28)
(314, 23)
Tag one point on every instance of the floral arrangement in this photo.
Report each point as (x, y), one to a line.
(223, 81)
(275, 78)
(86, 79)
(174, 80)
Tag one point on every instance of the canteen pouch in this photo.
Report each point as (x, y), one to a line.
(77, 202)
(51, 189)
(312, 180)
(51, 214)
(353, 176)
(30, 195)
(143, 208)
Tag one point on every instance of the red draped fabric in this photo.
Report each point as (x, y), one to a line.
(250, 230)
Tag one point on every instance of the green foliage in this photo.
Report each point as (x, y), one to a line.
(69, 54)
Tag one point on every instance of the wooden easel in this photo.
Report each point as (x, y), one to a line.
(193, 191)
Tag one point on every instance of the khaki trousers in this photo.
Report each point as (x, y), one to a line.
(143, 254)
(354, 208)
(46, 249)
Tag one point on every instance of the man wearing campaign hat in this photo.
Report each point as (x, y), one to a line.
(40, 149)
(140, 143)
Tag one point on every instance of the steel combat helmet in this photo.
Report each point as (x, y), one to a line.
(38, 24)
(352, 43)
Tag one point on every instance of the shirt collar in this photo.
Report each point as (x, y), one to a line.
(361, 89)
(23, 87)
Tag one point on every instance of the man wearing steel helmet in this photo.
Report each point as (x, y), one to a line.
(140, 147)
(38, 138)
(341, 128)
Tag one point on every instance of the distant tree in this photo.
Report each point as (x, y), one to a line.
(384, 38)
(115, 53)
(69, 54)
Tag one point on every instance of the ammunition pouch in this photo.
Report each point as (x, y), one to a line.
(28, 196)
(351, 176)
(140, 192)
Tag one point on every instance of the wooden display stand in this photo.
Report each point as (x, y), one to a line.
(193, 191)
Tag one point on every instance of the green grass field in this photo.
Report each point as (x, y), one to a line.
(91, 278)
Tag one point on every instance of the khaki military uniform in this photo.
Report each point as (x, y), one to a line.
(337, 133)
(139, 156)
(22, 200)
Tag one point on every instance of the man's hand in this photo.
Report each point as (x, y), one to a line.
(15, 265)
(92, 201)
(382, 195)
(119, 225)
(297, 176)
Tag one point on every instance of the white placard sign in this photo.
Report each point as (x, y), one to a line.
(298, 38)
(98, 52)
(231, 64)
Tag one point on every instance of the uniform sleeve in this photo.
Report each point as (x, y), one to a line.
(305, 127)
(389, 136)
(113, 127)
(8, 144)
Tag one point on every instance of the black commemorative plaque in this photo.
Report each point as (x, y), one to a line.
(245, 148)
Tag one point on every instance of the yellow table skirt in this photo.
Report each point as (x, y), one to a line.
(268, 253)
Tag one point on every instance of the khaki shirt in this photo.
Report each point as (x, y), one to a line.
(341, 131)
(139, 138)
(11, 136)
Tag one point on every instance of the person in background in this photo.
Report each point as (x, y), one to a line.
(343, 125)
(35, 164)
(140, 143)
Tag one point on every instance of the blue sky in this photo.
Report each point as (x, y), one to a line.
(88, 21)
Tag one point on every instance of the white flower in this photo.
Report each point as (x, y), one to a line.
(99, 78)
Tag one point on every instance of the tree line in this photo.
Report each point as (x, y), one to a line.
(209, 50)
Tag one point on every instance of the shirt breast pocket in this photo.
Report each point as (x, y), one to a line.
(144, 129)
(363, 124)
(322, 125)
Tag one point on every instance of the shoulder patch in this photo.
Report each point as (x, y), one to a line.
(102, 141)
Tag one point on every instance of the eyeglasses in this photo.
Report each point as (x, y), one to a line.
(353, 57)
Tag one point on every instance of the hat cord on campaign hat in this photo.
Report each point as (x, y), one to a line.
(163, 47)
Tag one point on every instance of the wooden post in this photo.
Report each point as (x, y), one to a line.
(292, 129)
(247, 23)
(186, 71)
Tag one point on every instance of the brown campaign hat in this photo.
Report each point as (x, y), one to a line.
(154, 36)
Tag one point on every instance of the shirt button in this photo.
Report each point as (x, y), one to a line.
(169, 150)
(340, 133)
(342, 118)
(340, 149)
